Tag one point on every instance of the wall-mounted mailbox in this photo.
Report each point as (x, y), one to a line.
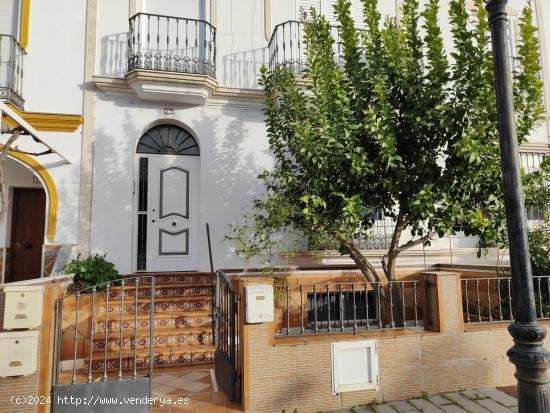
(259, 303)
(19, 353)
(23, 307)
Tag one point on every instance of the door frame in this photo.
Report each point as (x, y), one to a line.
(10, 231)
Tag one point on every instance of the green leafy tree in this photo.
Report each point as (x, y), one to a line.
(402, 128)
(537, 200)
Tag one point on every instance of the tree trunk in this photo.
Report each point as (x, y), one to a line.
(363, 263)
(389, 261)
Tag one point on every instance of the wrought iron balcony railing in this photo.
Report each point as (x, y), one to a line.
(171, 44)
(11, 70)
(287, 47)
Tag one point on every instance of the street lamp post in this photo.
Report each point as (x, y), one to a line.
(528, 353)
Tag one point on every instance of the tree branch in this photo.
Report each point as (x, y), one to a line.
(46, 152)
(414, 243)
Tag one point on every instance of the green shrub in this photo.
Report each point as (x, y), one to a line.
(539, 247)
(91, 271)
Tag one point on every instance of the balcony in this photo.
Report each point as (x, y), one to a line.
(11, 71)
(288, 49)
(171, 58)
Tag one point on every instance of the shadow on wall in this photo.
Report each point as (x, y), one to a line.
(242, 69)
(232, 157)
(114, 53)
(113, 171)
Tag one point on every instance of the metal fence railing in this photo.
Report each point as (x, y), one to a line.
(487, 300)
(347, 307)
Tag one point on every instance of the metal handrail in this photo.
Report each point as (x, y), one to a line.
(125, 284)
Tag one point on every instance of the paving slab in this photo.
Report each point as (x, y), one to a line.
(494, 406)
(466, 403)
(439, 400)
(474, 394)
(453, 408)
(364, 409)
(384, 408)
(404, 406)
(425, 406)
(500, 397)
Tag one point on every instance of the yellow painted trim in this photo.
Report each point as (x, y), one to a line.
(25, 23)
(50, 122)
(9, 121)
(48, 181)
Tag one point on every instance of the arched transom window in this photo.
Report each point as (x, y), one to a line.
(168, 140)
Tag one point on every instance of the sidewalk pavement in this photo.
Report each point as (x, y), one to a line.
(467, 401)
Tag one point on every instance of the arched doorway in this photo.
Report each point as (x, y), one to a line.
(167, 200)
(23, 228)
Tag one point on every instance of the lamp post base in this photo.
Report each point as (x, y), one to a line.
(532, 361)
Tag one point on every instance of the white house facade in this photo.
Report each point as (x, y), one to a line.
(173, 134)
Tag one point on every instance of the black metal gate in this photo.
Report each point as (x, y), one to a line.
(108, 360)
(227, 337)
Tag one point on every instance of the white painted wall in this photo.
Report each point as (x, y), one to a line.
(232, 137)
(54, 64)
(233, 152)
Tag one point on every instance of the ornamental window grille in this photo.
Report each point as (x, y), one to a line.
(168, 140)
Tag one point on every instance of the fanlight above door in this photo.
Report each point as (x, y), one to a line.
(168, 140)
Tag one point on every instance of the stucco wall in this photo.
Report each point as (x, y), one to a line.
(233, 152)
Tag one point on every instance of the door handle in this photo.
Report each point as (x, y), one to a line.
(28, 246)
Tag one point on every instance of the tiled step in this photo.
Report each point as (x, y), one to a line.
(173, 356)
(161, 340)
(193, 319)
(163, 291)
(175, 277)
(166, 304)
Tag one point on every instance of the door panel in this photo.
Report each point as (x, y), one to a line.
(27, 234)
(174, 193)
(172, 213)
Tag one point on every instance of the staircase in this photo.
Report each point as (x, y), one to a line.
(182, 323)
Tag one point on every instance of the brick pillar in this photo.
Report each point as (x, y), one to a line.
(251, 334)
(445, 301)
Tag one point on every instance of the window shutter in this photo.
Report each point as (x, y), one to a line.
(306, 5)
(9, 17)
(356, 12)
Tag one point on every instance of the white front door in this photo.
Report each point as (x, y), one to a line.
(172, 213)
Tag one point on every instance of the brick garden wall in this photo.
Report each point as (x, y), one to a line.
(288, 373)
(40, 382)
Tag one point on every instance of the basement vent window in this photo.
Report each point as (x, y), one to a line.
(354, 366)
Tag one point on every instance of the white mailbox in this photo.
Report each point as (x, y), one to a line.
(23, 308)
(19, 353)
(259, 303)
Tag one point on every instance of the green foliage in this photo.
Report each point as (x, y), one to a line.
(537, 198)
(401, 128)
(90, 271)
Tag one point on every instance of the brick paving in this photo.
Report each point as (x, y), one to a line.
(468, 401)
